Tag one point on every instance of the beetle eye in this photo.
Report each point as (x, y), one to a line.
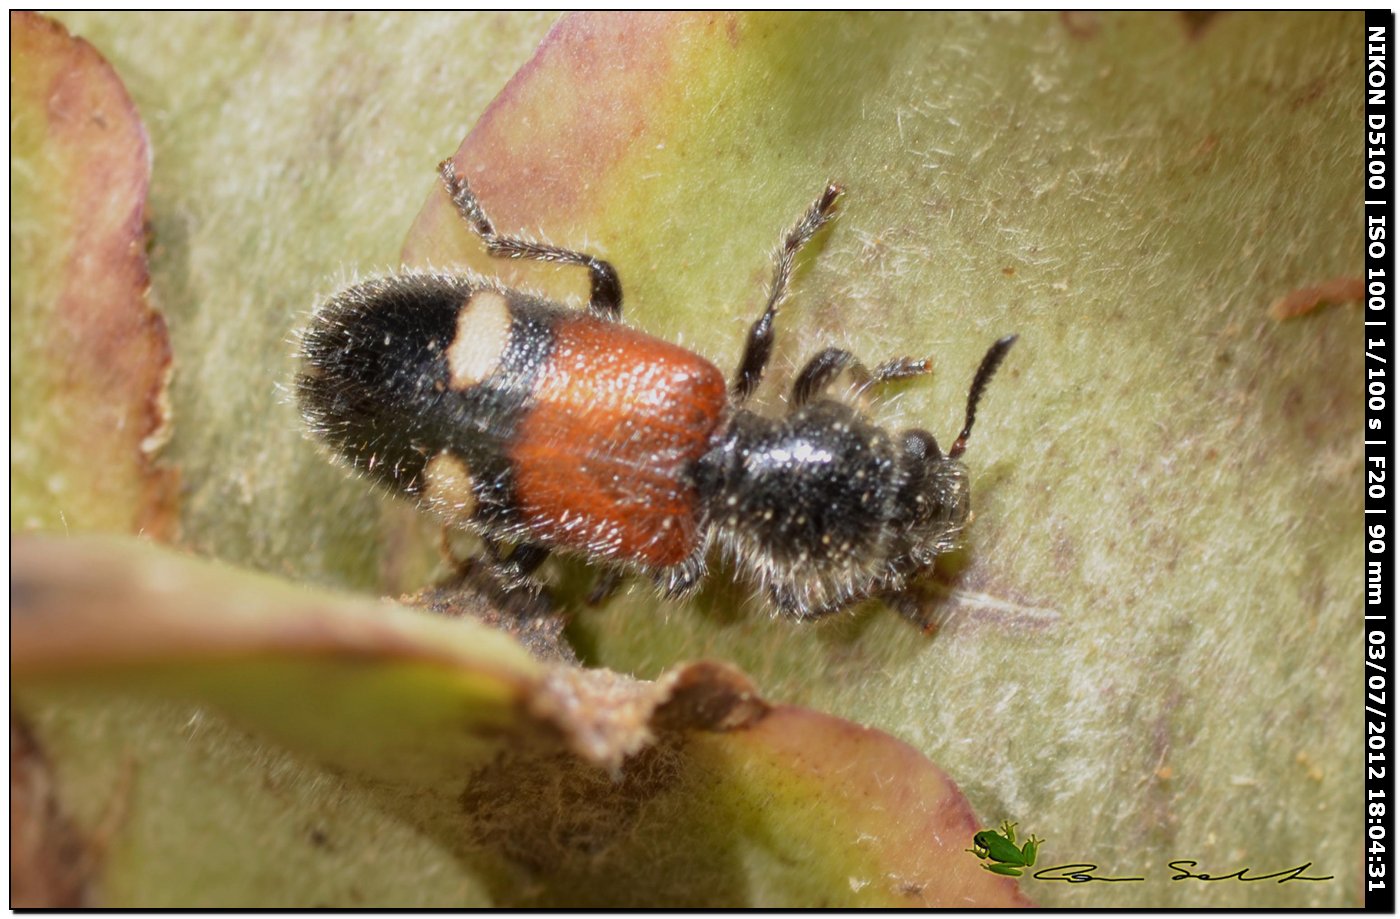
(921, 444)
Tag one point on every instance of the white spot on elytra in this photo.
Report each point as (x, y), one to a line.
(447, 488)
(483, 333)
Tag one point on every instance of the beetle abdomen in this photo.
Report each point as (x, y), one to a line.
(513, 415)
(377, 384)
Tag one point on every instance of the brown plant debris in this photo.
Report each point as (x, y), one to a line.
(1304, 300)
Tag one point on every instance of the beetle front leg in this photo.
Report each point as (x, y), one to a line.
(823, 369)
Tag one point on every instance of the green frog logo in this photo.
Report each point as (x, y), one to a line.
(999, 850)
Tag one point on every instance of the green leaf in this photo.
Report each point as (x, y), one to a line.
(549, 784)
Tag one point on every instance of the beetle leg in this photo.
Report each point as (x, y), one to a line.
(607, 583)
(828, 364)
(759, 346)
(605, 295)
(514, 570)
(681, 579)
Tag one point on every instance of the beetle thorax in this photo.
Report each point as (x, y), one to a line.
(803, 504)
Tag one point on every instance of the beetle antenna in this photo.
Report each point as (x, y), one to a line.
(995, 354)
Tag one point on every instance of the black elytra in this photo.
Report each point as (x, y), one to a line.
(563, 430)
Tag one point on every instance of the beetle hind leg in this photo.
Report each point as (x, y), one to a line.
(604, 586)
(516, 569)
(605, 294)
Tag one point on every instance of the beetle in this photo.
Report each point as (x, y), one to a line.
(545, 428)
